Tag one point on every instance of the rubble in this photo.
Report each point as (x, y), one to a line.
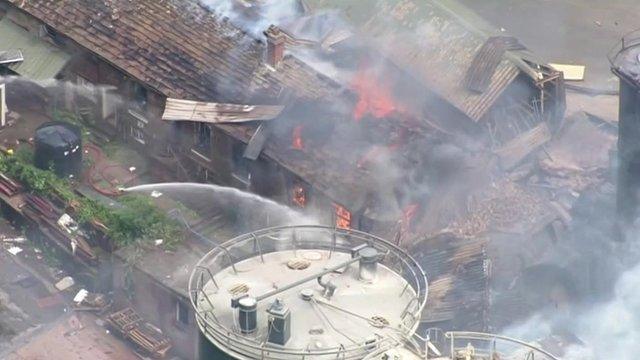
(505, 207)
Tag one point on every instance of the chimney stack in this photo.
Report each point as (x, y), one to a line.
(275, 45)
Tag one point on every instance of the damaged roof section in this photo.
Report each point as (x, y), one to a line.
(438, 40)
(216, 113)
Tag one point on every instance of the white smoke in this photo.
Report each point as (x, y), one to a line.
(254, 17)
(612, 330)
(609, 330)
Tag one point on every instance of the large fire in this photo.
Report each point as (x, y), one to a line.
(374, 96)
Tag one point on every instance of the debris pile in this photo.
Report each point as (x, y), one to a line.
(506, 207)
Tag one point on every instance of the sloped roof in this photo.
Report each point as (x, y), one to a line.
(437, 40)
(176, 47)
(42, 61)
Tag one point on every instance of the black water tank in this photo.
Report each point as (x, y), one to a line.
(59, 147)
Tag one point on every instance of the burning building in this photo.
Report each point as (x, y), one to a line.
(306, 138)
(386, 143)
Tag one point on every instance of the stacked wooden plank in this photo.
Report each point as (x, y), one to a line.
(42, 206)
(143, 335)
(8, 186)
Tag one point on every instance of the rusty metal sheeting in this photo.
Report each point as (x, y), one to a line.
(216, 113)
(486, 61)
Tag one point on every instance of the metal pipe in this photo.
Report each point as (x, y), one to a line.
(307, 279)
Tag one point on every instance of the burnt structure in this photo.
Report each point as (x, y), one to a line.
(322, 151)
(374, 146)
(625, 64)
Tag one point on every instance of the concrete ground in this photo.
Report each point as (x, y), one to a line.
(566, 31)
(74, 337)
(26, 303)
(36, 322)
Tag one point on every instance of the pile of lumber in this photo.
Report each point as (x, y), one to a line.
(142, 334)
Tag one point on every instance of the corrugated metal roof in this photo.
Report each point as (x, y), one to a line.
(216, 113)
(41, 60)
(436, 40)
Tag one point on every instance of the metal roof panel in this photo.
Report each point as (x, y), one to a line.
(42, 61)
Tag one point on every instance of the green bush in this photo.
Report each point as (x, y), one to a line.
(137, 219)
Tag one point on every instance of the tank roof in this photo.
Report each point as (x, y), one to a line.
(625, 58)
(364, 313)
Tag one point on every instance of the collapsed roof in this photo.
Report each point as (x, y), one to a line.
(439, 41)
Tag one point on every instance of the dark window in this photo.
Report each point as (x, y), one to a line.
(140, 96)
(203, 134)
(53, 34)
(182, 313)
(240, 164)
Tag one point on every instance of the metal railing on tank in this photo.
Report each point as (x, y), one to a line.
(293, 238)
(474, 345)
(628, 41)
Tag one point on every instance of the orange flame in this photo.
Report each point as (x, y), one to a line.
(297, 142)
(374, 96)
(299, 196)
(343, 217)
(408, 214)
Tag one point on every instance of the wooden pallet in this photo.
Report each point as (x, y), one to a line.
(150, 339)
(141, 333)
(124, 320)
